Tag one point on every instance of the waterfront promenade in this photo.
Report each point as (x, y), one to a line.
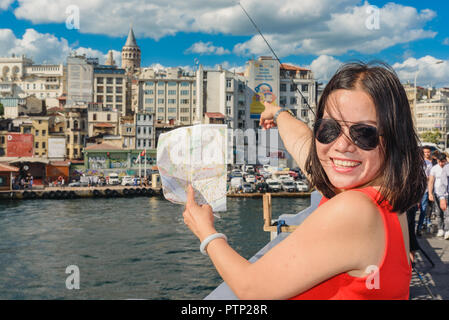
(436, 278)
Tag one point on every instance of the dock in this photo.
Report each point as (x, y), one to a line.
(274, 194)
(59, 193)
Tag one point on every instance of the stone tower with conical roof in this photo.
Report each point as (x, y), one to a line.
(131, 53)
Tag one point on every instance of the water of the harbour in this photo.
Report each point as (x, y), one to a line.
(125, 248)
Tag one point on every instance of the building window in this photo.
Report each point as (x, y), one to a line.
(228, 83)
(184, 84)
(36, 145)
(110, 81)
(283, 87)
(172, 110)
(171, 101)
(184, 92)
(100, 80)
(305, 88)
(108, 117)
(118, 80)
(160, 101)
(293, 87)
(228, 97)
(36, 133)
(292, 100)
(95, 117)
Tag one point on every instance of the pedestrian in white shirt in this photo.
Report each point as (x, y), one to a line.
(423, 220)
(438, 192)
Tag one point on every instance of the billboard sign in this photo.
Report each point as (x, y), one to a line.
(264, 84)
(19, 145)
(56, 147)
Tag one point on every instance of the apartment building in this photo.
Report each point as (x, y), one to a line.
(40, 132)
(80, 77)
(110, 87)
(102, 120)
(169, 95)
(432, 113)
(145, 133)
(76, 130)
(21, 78)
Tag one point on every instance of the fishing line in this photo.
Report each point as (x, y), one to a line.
(276, 57)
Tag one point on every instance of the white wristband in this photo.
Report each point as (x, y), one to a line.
(206, 241)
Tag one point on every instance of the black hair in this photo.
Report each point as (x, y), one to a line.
(404, 179)
(441, 156)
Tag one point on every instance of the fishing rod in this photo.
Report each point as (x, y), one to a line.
(275, 55)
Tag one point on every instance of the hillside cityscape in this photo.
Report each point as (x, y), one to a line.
(83, 117)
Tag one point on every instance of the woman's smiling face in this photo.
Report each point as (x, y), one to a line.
(346, 165)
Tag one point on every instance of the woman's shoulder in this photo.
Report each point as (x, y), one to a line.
(358, 205)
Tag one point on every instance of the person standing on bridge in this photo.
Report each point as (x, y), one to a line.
(363, 156)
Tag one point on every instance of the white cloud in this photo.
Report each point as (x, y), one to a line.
(45, 47)
(432, 71)
(324, 67)
(207, 48)
(323, 27)
(4, 4)
(446, 41)
(344, 31)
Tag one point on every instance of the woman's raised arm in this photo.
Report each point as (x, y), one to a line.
(295, 134)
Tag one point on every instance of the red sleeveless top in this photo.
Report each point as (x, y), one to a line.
(390, 281)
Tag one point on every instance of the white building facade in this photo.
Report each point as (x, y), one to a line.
(21, 78)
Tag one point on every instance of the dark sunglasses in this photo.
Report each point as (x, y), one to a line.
(364, 136)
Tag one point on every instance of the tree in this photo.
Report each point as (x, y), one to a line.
(2, 110)
(431, 136)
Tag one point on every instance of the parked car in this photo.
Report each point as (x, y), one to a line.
(288, 186)
(236, 174)
(301, 186)
(247, 188)
(262, 187)
(75, 184)
(274, 186)
(236, 183)
(128, 181)
(250, 178)
(114, 179)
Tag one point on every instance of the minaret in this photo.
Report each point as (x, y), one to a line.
(131, 53)
(110, 59)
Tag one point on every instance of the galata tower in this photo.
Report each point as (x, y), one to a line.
(131, 53)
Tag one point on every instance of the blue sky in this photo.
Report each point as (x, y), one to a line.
(319, 34)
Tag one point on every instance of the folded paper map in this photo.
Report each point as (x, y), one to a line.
(195, 155)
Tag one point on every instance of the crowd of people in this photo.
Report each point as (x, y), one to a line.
(434, 203)
(22, 181)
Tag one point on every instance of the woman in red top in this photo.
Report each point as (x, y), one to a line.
(363, 156)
